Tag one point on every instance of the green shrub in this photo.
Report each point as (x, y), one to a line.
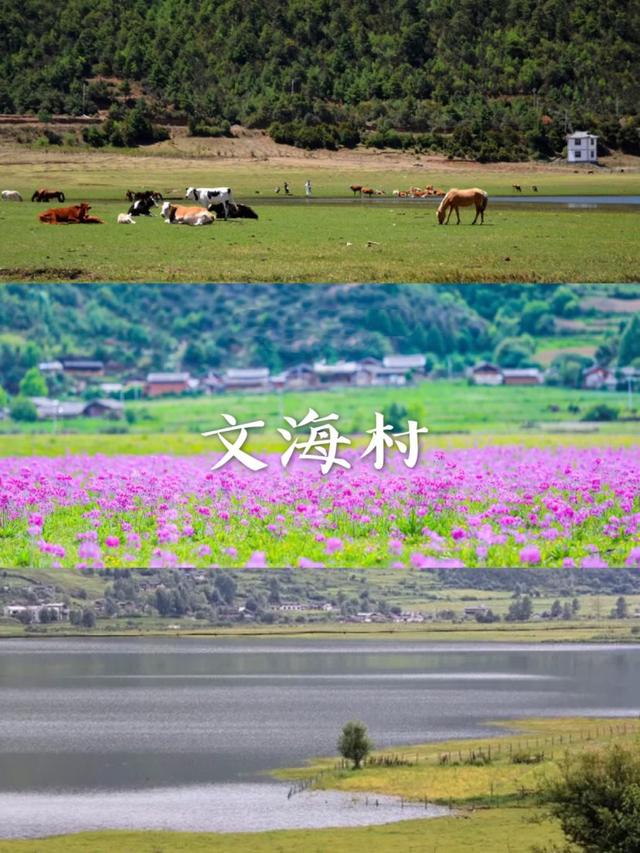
(22, 409)
(601, 412)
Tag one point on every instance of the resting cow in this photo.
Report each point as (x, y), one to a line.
(175, 214)
(78, 213)
(142, 207)
(211, 195)
(234, 210)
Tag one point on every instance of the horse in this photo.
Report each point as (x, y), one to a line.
(11, 195)
(78, 213)
(456, 198)
(47, 195)
(356, 189)
(516, 187)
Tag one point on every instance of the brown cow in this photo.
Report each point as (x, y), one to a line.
(78, 213)
(356, 189)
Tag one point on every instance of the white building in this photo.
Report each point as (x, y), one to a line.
(582, 147)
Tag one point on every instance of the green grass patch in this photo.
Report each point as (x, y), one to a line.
(492, 829)
(457, 414)
(308, 243)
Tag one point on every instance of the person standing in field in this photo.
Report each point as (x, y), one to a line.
(307, 188)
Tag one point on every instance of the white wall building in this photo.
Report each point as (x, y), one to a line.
(582, 147)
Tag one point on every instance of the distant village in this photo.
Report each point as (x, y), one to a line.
(105, 385)
(214, 598)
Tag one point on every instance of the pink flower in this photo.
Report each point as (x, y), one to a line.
(530, 555)
(305, 563)
(633, 560)
(333, 544)
(594, 562)
(256, 561)
(112, 542)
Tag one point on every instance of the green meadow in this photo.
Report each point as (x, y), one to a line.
(313, 241)
(456, 414)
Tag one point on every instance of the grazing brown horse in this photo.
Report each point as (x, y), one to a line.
(456, 198)
(78, 213)
(47, 195)
(356, 189)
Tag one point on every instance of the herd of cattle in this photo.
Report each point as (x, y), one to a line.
(218, 201)
(213, 203)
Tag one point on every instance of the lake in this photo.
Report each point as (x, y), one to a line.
(140, 733)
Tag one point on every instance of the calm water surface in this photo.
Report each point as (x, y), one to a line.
(140, 733)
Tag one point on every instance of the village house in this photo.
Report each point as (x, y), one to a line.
(112, 409)
(51, 409)
(341, 373)
(48, 409)
(301, 376)
(598, 377)
(82, 367)
(35, 611)
(394, 369)
(246, 379)
(522, 376)
(159, 384)
(485, 373)
(474, 612)
(50, 367)
(582, 147)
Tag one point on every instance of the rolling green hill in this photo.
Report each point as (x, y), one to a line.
(189, 327)
(496, 80)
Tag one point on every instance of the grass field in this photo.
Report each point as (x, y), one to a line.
(498, 830)
(309, 242)
(457, 414)
(588, 631)
(479, 771)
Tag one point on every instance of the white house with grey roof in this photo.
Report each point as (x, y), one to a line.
(582, 147)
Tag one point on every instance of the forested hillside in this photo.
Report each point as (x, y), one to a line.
(197, 328)
(493, 80)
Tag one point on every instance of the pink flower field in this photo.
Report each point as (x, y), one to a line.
(491, 506)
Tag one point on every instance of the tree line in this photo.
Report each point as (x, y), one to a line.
(492, 81)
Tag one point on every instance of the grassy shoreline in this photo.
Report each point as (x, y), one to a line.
(604, 631)
(495, 802)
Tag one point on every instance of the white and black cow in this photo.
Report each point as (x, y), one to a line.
(211, 195)
(142, 207)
